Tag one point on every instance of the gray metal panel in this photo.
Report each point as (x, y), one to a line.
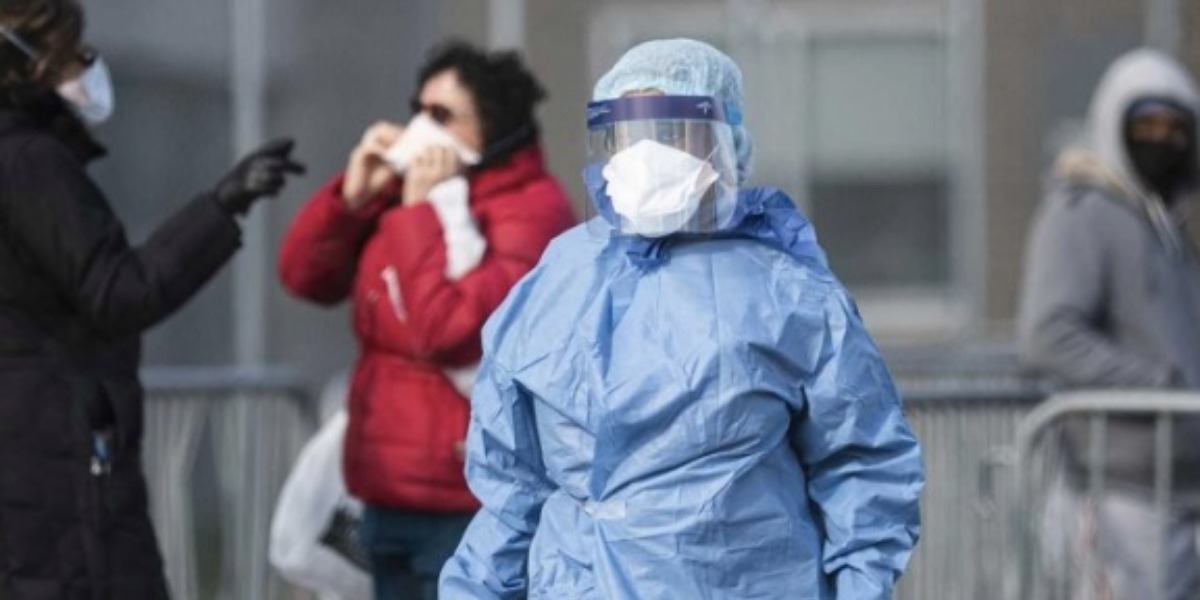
(966, 509)
(216, 456)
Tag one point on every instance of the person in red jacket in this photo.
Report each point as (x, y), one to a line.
(426, 231)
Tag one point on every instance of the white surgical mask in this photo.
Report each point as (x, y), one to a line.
(90, 94)
(655, 188)
(422, 133)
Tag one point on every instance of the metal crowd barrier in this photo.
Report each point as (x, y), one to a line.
(1064, 485)
(218, 445)
(996, 468)
(966, 417)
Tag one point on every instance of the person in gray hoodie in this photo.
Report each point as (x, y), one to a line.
(1111, 299)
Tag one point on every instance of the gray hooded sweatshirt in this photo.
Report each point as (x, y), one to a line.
(1111, 295)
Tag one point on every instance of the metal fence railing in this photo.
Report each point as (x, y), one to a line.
(966, 417)
(219, 444)
(1108, 485)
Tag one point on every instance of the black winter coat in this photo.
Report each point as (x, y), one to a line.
(74, 299)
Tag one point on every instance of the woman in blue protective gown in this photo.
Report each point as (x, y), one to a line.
(680, 401)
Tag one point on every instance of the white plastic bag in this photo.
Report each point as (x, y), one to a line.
(314, 540)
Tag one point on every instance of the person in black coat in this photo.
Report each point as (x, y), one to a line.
(74, 299)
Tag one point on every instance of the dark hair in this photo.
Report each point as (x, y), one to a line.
(51, 28)
(504, 90)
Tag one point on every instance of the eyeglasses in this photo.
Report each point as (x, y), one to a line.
(436, 111)
(86, 55)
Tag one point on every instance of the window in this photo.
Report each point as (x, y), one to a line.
(863, 113)
(878, 174)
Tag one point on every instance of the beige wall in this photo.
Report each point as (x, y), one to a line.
(556, 46)
(1012, 65)
(1028, 50)
(466, 19)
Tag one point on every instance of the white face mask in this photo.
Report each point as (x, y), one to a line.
(90, 94)
(655, 188)
(423, 132)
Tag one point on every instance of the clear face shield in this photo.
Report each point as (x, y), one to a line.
(660, 165)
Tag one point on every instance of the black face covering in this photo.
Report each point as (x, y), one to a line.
(1163, 166)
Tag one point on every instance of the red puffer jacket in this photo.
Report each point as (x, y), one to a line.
(413, 322)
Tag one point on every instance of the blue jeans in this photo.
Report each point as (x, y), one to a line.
(408, 548)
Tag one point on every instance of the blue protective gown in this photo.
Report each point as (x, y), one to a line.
(686, 418)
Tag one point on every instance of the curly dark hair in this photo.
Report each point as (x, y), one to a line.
(504, 90)
(51, 28)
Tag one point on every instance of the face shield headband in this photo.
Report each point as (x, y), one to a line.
(640, 108)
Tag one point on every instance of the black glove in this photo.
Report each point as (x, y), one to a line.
(259, 174)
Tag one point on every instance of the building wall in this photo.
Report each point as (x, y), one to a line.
(1191, 35)
(169, 140)
(555, 46)
(1043, 61)
(337, 67)
(334, 68)
(355, 64)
